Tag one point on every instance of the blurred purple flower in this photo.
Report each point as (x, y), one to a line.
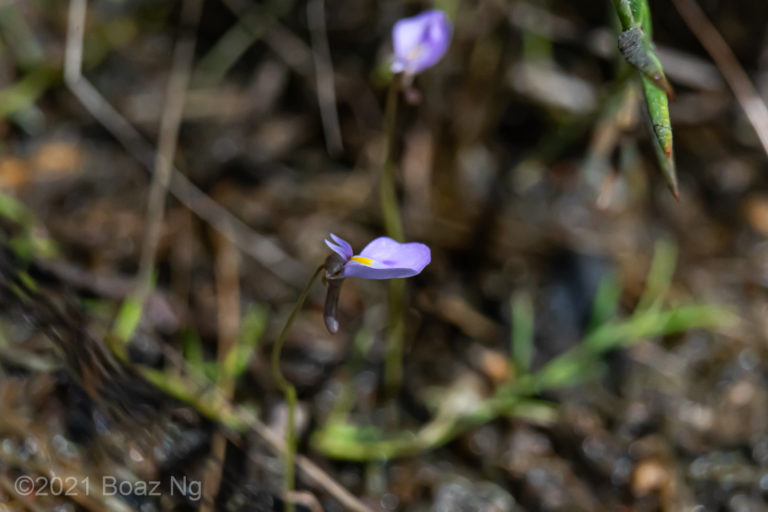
(420, 41)
(383, 258)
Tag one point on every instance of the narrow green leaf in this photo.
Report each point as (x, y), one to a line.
(661, 131)
(636, 46)
(564, 369)
(606, 301)
(642, 13)
(624, 11)
(14, 210)
(193, 350)
(659, 275)
(522, 332)
(25, 92)
(254, 324)
(127, 319)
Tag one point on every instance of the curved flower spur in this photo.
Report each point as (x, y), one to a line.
(382, 258)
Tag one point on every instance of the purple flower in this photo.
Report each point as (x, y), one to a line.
(383, 258)
(420, 41)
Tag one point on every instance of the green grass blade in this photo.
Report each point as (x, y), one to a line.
(606, 301)
(128, 319)
(659, 275)
(578, 364)
(192, 347)
(636, 46)
(624, 11)
(522, 332)
(254, 324)
(661, 132)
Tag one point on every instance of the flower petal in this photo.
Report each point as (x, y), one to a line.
(340, 247)
(354, 269)
(343, 244)
(420, 41)
(385, 258)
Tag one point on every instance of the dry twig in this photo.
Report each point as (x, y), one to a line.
(746, 94)
(326, 93)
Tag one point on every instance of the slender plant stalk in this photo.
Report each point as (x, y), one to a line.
(389, 208)
(289, 479)
(393, 370)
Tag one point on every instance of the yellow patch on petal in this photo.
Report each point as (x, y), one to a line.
(360, 259)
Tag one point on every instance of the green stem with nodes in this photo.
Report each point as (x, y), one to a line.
(289, 479)
(393, 224)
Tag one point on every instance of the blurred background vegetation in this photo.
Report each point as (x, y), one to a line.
(581, 341)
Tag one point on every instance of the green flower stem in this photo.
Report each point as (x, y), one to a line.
(393, 224)
(393, 370)
(389, 208)
(289, 479)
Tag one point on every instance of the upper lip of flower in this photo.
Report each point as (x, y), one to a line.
(340, 247)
